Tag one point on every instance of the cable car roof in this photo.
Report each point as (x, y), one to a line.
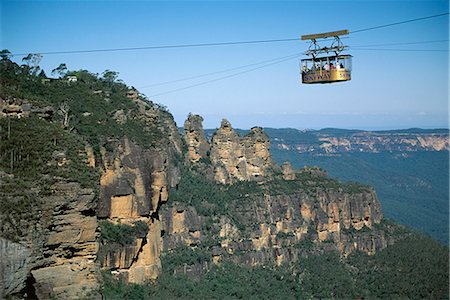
(325, 35)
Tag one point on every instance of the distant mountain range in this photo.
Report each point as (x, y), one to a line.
(331, 140)
(408, 168)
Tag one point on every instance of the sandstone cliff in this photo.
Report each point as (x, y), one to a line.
(135, 181)
(274, 226)
(51, 228)
(56, 253)
(133, 185)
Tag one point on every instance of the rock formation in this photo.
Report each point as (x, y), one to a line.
(194, 136)
(288, 171)
(57, 254)
(233, 158)
(134, 183)
(275, 228)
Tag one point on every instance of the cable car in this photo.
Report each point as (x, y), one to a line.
(322, 67)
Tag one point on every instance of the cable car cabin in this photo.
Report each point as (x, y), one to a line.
(326, 69)
(329, 68)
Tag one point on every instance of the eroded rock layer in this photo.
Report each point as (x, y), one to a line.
(276, 228)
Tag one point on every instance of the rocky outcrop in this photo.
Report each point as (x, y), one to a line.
(19, 108)
(237, 159)
(231, 157)
(288, 171)
(194, 136)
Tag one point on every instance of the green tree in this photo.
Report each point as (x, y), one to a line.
(5, 54)
(110, 76)
(32, 62)
(61, 70)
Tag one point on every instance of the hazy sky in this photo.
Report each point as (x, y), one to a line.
(389, 89)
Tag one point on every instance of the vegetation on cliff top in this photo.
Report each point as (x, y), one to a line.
(87, 106)
(211, 198)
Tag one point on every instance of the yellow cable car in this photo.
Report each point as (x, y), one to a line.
(323, 67)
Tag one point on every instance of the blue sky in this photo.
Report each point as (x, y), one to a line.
(389, 89)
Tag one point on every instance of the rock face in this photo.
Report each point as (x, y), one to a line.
(56, 251)
(14, 267)
(134, 183)
(57, 255)
(233, 158)
(280, 228)
(70, 246)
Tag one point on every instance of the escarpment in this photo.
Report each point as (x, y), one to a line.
(258, 213)
(121, 190)
(90, 201)
(269, 225)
